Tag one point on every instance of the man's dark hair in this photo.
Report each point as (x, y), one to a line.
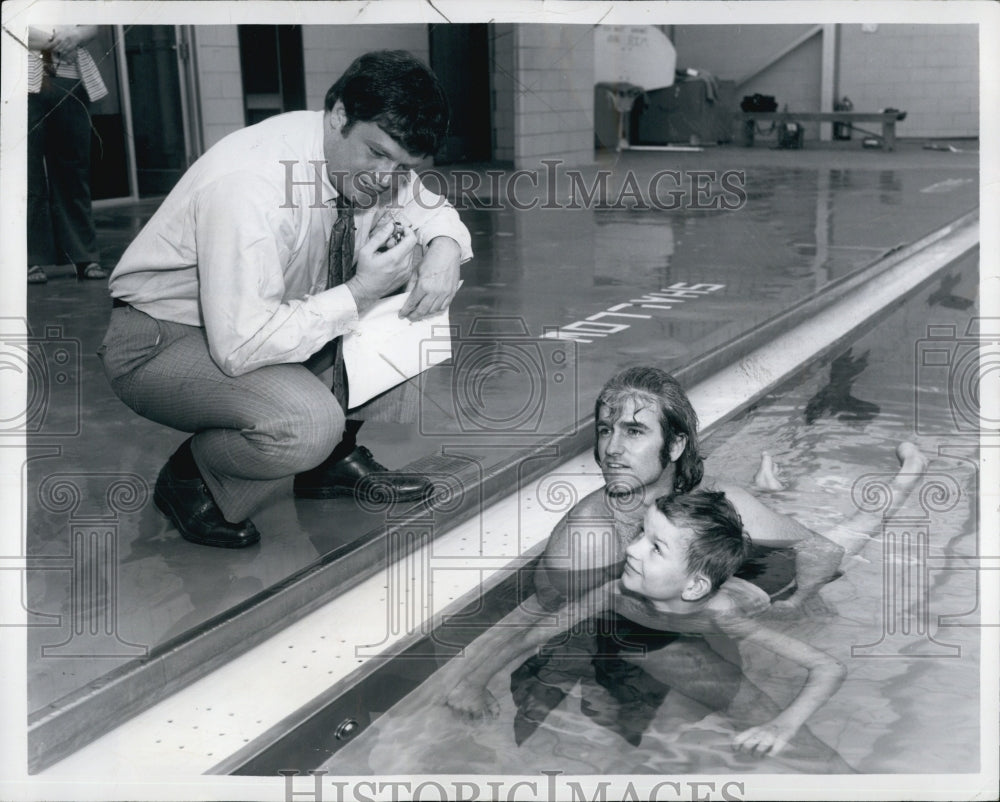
(399, 94)
(674, 411)
(718, 545)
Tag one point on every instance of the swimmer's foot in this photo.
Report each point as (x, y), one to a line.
(912, 466)
(766, 477)
(911, 458)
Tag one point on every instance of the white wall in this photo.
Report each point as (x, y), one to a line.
(931, 71)
(553, 94)
(328, 50)
(542, 75)
(220, 82)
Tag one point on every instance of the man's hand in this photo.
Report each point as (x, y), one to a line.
(67, 38)
(472, 701)
(435, 280)
(381, 271)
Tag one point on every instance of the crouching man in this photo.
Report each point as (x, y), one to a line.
(235, 296)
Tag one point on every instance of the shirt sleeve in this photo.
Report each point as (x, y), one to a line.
(244, 243)
(433, 216)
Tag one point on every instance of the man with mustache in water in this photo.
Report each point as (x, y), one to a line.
(646, 445)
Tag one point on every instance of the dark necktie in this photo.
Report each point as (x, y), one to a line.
(340, 268)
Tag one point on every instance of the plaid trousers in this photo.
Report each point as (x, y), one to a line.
(251, 431)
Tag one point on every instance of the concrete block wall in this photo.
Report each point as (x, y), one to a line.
(328, 50)
(220, 81)
(553, 94)
(931, 71)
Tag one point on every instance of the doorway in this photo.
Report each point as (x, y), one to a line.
(460, 57)
(272, 68)
(157, 115)
(141, 143)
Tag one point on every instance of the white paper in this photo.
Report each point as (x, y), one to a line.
(385, 350)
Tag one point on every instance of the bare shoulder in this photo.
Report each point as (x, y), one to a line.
(591, 507)
(594, 503)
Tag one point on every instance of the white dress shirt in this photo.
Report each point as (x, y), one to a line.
(241, 250)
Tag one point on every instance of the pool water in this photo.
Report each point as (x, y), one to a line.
(902, 618)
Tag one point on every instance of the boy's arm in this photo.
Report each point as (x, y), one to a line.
(825, 675)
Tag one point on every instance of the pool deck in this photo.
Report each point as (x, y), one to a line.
(689, 281)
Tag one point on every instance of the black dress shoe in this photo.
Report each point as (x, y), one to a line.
(360, 475)
(190, 506)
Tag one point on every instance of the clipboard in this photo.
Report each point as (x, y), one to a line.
(385, 350)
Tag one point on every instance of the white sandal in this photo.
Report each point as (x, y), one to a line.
(91, 270)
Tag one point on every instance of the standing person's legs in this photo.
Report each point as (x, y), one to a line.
(67, 158)
(251, 431)
(41, 240)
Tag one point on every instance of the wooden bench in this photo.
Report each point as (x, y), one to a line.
(887, 118)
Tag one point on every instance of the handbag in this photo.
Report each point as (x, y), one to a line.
(759, 102)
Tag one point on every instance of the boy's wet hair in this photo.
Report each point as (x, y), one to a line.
(718, 546)
(674, 411)
(398, 93)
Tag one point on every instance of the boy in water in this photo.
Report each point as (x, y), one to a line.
(647, 448)
(677, 590)
(678, 576)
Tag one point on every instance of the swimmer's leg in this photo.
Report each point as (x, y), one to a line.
(855, 533)
(766, 477)
(542, 681)
(821, 558)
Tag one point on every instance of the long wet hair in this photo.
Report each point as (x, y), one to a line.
(674, 411)
(718, 545)
(398, 93)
